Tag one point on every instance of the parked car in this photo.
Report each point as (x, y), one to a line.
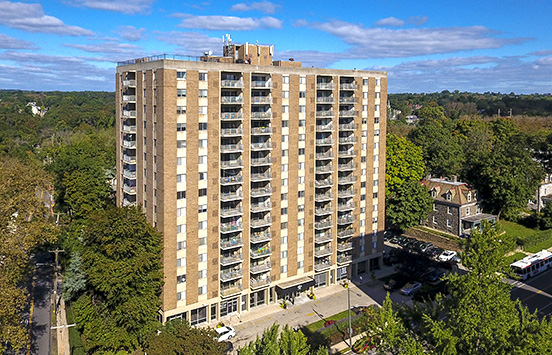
(447, 255)
(410, 288)
(390, 285)
(435, 275)
(225, 333)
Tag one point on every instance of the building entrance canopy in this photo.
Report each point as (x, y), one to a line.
(295, 286)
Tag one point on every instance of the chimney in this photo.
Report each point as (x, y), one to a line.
(454, 178)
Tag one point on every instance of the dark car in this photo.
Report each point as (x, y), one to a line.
(391, 285)
(435, 276)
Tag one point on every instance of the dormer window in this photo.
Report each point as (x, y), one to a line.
(449, 196)
(469, 196)
(433, 193)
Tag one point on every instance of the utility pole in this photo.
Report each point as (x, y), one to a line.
(56, 252)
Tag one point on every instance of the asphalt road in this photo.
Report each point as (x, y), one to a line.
(42, 309)
(535, 293)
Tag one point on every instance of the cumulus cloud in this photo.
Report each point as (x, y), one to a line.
(191, 43)
(418, 20)
(131, 33)
(384, 42)
(7, 42)
(31, 18)
(126, 7)
(229, 23)
(390, 22)
(263, 6)
(543, 53)
(114, 51)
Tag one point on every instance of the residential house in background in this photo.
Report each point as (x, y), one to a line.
(544, 194)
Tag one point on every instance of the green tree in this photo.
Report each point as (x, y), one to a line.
(404, 162)
(289, 343)
(406, 205)
(177, 337)
(545, 217)
(121, 258)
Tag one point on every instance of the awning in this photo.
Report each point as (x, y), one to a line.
(298, 285)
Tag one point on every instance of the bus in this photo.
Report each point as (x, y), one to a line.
(532, 264)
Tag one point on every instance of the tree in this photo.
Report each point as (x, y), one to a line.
(545, 217)
(24, 225)
(289, 343)
(407, 204)
(121, 255)
(177, 337)
(404, 162)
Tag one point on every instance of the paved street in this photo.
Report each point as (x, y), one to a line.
(535, 293)
(42, 310)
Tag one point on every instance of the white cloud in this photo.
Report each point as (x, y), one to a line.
(418, 20)
(229, 23)
(390, 22)
(386, 43)
(7, 42)
(308, 58)
(191, 43)
(263, 6)
(31, 18)
(301, 23)
(126, 6)
(114, 51)
(543, 53)
(131, 33)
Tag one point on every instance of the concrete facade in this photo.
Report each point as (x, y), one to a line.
(265, 179)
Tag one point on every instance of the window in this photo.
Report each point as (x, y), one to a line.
(180, 279)
(181, 127)
(202, 224)
(378, 82)
(202, 208)
(202, 110)
(300, 236)
(181, 295)
(285, 79)
(285, 109)
(180, 195)
(285, 182)
(201, 274)
(301, 166)
(301, 208)
(180, 211)
(377, 95)
(285, 94)
(284, 211)
(375, 182)
(181, 228)
(376, 170)
(181, 110)
(449, 223)
(181, 245)
(469, 196)
(365, 82)
(285, 152)
(202, 159)
(302, 80)
(201, 290)
(467, 211)
(283, 240)
(301, 194)
(285, 123)
(181, 161)
(283, 268)
(362, 172)
(302, 94)
(202, 257)
(301, 179)
(376, 132)
(364, 107)
(301, 151)
(449, 196)
(363, 184)
(202, 76)
(284, 254)
(202, 192)
(284, 167)
(181, 178)
(284, 225)
(202, 126)
(284, 197)
(302, 108)
(300, 264)
(202, 93)
(284, 138)
(202, 176)
(179, 92)
(301, 123)
(301, 137)
(180, 144)
(300, 250)
(301, 222)
(375, 207)
(375, 195)
(365, 95)
(181, 75)
(376, 108)
(203, 143)
(449, 210)
(181, 262)
(376, 120)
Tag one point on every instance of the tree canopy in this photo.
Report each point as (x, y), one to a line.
(288, 342)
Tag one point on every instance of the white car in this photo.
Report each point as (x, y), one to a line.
(448, 255)
(225, 333)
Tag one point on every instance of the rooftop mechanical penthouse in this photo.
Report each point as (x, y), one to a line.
(266, 178)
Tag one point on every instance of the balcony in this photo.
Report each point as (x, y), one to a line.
(344, 246)
(261, 161)
(324, 169)
(262, 191)
(260, 177)
(260, 222)
(129, 189)
(323, 237)
(326, 223)
(129, 98)
(259, 282)
(347, 153)
(323, 265)
(129, 113)
(129, 83)
(261, 100)
(323, 197)
(260, 237)
(231, 195)
(348, 100)
(230, 291)
(348, 86)
(323, 211)
(231, 212)
(231, 132)
(260, 207)
(231, 99)
(346, 179)
(129, 144)
(348, 166)
(129, 159)
(325, 86)
(231, 243)
(129, 174)
(231, 180)
(129, 129)
(347, 219)
(346, 140)
(261, 115)
(344, 233)
(325, 113)
(231, 164)
(324, 141)
(128, 203)
(261, 130)
(323, 252)
(229, 227)
(347, 127)
(324, 99)
(260, 252)
(231, 83)
(261, 84)
(325, 155)
(344, 259)
(346, 193)
(231, 116)
(345, 206)
(231, 148)
(323, 183)
(258, 268)
(231, 259)
(231, 275)
(262, 146)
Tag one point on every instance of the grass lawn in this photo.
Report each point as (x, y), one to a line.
(517, 256)
(313, 327)
(516, 230)
(545, 244)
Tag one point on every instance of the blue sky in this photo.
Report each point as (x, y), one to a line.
(425, 46)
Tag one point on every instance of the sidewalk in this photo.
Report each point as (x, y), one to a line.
(62, 333)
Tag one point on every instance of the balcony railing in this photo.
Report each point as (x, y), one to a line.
(343, 233)
(230, 291)
(262, 161)
(231, 148)
(325, 86)
(231, 243)
(230, 180)
(325, 141)
(323, 211)
(344, 259)
(323, 197)
(129, 98)
(258, 268)
(261, 100)
(345, 140)
(129, 83)
(231, 99)
(325, 128)
(231, 227)
(347, 153)
(347, 126)
(261, 84)
(229, 212)
(322, 265)
(346, 193)
(259, 207)
(262, 191)
(231, 116)
(230, 164)
(345, 206)
(261, 176)
(262, 115)
(129, 113)
(231, 83)
(128, 203)
(261, 146)
(321, 169)
(260, 252)
(231, 259)
(325, 113)
(325, 155)
(345, 219)
(129, 189)
(129, 174)
(346, 179)
(130, 159)
(261, 130)
(348, 100)
(129, 144)
(344, 246)
(259, 282)
(348, 166)
(323, 252)
(324, 99)
(231, 275)
(261, 222)
(129, 129)
(323, 237)
(231, 195)
(327, 223)
(260, 237)
(229, 132)
(323, 183)
(348, 86)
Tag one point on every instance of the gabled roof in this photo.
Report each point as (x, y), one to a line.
(454, 192)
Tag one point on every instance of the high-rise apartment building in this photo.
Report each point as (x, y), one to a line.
(265, 178)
